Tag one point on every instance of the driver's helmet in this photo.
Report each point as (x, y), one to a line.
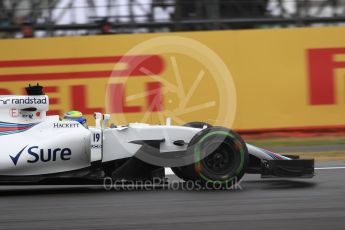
(75, 116)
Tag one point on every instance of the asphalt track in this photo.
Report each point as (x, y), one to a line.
(317, 203)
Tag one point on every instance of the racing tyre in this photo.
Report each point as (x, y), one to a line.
(178, 170)
(221, 158)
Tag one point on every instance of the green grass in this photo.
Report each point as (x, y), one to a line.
(307, 141)
(322, 156)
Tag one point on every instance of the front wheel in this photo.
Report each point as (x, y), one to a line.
(221, 158)
(178, 171)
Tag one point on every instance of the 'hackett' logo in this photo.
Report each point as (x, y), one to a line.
(65, 125)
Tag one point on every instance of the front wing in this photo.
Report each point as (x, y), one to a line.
(294, 168)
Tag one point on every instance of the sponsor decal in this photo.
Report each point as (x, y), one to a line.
(96, 146)
(14, 113)
(15, 158)
(29, 115)
(306, 80)
(4, 102)
(37, 154)
(322, 67)
(134, 66)
(64, 125)
(29, 101)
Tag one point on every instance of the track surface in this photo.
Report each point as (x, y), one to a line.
(317, 203)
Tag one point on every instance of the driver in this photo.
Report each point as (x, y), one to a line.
(75, 116)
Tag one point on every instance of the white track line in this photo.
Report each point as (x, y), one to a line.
(168, 171)
(330, 168)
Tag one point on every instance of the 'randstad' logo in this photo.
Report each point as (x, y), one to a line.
(43, 155)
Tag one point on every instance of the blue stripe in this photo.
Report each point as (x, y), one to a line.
(11, 132)
(11, 125)
(271, 154)
(5, 124)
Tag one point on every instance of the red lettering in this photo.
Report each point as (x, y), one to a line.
(137, 66)
(52, 89)
(79, 100)
(117, 100)
(154, 96)
(140, 65)
(321, 66)
(52, 100)
(5, 92)
(14, 112)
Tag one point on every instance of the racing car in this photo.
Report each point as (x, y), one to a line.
(41, 148)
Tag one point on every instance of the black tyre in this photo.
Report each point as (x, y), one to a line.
(178, 170)
(221, 158)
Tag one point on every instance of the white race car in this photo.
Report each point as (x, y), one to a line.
(36, 148)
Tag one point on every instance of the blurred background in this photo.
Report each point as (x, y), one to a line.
(285, 59)
(82, 17)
